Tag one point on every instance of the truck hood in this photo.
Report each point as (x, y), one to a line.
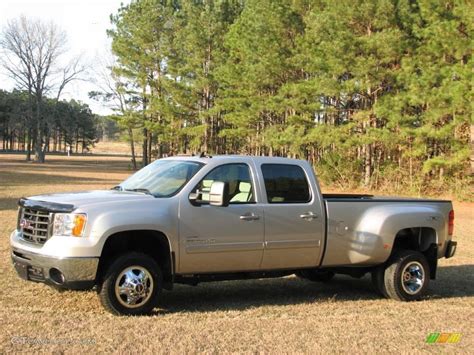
(78, 199)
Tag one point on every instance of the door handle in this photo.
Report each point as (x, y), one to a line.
(249, 217)
(309, 216)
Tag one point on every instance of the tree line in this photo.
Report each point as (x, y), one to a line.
(68, 125)
(370, 92)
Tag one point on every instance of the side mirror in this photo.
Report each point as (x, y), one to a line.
(219, 193)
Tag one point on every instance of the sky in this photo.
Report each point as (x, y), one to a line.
(84, 21)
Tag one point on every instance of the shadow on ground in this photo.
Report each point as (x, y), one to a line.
(22, 178)
(452, 281)
(8, 203)
(83, 167)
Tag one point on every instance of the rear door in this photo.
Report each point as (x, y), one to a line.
(294, 219)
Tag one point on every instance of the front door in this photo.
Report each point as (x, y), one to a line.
(219, 239)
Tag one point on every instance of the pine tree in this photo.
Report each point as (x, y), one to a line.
(140, 40)
(197, 51)
(373, 93)
(260, 45)
(437, 84)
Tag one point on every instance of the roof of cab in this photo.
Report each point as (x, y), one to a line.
(257, 159)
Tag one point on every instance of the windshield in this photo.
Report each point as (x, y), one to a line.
(162, 178)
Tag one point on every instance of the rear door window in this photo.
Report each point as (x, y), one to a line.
(285, 183)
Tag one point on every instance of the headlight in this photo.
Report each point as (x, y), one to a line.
(69, 224)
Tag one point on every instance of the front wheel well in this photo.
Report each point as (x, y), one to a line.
(422, 239)
(152, 243)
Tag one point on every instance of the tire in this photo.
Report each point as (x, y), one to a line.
(131, 285)
(407, 276)
(378, 282)
(316, 275)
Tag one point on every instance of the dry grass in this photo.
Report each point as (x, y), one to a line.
(115, 148)
(279, 315)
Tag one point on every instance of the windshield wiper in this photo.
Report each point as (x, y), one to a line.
(118, 188)
(140, 189)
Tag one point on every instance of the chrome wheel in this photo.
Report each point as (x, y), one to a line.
(413, 277)
(134, 286)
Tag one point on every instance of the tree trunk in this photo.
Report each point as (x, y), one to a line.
(150, 141)
(367, 165)
(55, 141)
(132, 148)
(39, 154)
(28, 146)
(145, 148)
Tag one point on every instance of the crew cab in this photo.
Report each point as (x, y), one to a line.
(192, 219)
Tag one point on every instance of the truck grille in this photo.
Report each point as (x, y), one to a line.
(35, 225)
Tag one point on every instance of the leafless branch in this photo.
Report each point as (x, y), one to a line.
(32, 50)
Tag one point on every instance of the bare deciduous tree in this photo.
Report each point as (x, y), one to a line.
(119, 97)
(32, 51)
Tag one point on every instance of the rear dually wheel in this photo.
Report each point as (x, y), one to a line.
(407, 276)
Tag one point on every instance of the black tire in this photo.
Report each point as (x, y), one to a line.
(407, 276)
(378, 282)
(137, 264)
(316, 275)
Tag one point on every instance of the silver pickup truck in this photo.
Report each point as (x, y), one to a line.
(195, 219)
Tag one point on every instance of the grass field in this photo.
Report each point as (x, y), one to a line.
(274, 315)
(115, 148)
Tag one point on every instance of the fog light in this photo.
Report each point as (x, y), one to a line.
(56, 275)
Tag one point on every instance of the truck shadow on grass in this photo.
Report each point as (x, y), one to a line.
(8, 203)
(22, 178)
(452, 281)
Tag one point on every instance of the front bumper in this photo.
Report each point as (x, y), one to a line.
(69, 273)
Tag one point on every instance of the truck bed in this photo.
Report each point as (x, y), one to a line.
(372, 198)
(362, 233)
